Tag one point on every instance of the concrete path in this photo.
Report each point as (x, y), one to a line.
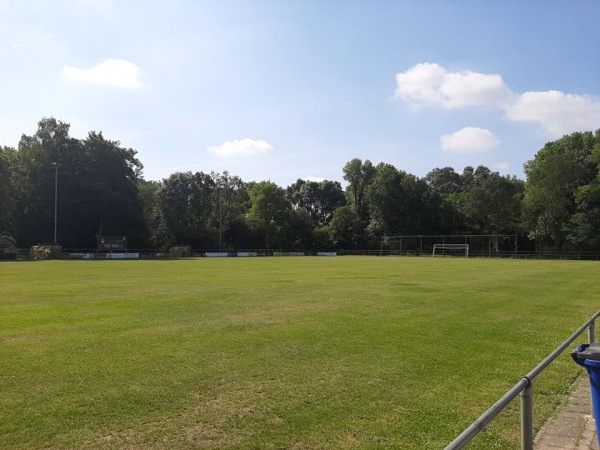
(573, 427)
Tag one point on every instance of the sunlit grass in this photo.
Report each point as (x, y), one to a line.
(347, 352)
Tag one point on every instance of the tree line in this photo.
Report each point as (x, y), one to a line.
(102, 192)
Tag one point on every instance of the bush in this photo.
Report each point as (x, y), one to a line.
(40, 252)
(180, 251)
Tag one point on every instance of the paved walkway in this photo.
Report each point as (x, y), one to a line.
(573, 427)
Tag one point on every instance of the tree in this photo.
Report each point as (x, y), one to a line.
(401, 203)
(186, 202)
(320, 199)
(230, 206)
(492, 205)
(299, 230)
(444, 181)
(8, 169)
(97, 192)
(583, 229)
(554, 177)
(359, 176)
(34, 204)
(268, 210)
(471, 176)
(385, 198)
(346, 230)
(110, 179)
(159, 236)
(450, 186)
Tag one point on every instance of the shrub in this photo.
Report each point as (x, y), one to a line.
(39, 252)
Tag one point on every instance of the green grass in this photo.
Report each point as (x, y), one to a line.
(302, 353)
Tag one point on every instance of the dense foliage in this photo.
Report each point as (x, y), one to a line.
(101, 192)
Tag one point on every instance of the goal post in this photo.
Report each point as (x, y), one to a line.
(490, 245)
(452, 249)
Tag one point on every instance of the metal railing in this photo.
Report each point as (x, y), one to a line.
(524, 388)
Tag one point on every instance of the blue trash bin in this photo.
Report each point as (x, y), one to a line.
(588, 356)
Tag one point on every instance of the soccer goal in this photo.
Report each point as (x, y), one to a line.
(451, 250)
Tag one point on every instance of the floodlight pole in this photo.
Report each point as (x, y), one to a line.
(220, 221)
(55, 199)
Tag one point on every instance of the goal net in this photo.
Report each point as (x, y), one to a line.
(451, 250)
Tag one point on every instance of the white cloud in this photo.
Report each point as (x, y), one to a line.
(315, 179)
(118, 73)
(557, 113)
(469, 140)
(432, 84)
(242, 147)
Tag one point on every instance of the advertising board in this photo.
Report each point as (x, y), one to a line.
(112, 243)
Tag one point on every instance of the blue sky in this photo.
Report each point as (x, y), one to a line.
(281, 90)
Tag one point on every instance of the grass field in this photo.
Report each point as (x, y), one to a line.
(302, 353)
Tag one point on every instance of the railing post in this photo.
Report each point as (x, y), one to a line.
(527, 417)
(592, 339)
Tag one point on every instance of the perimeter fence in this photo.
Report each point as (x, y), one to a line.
(24, 254)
